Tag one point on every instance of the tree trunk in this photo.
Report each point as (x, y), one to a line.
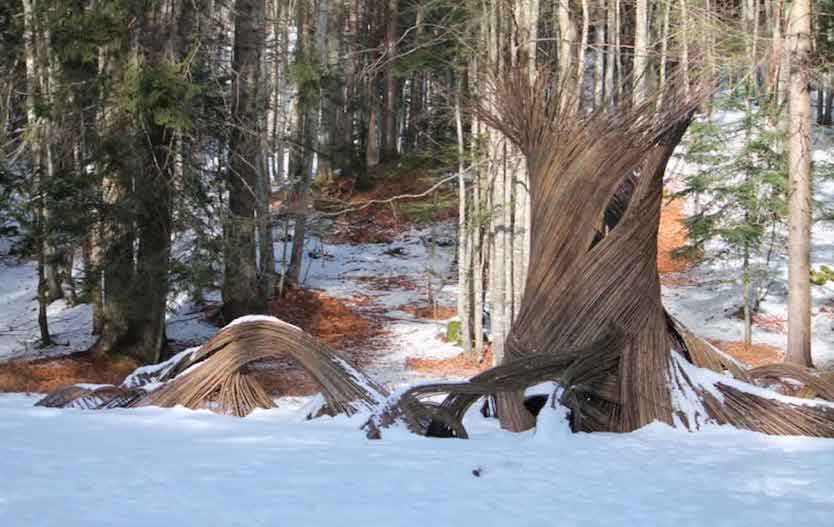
(416, 106)
(599, 57)
(92, 276)
(641, 52)
(36, 148)
(117, 235)
(684, 66)
(139, 174)
(241, 288)
(784, 55)
(610, 52)
(798, 38)
(390, 95)
(747, 298)
(567, 43)
(477, 252)
(664, 53)
(310, 50)
(464, 238)
(581, 52)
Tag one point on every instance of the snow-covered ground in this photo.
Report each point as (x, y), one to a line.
(69, 325)
(423, 257)
(19, 333)
(176, 467)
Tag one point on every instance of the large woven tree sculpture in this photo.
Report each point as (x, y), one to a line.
(582, 289)
(591, 315)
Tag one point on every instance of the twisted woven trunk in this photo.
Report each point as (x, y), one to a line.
(592, 317)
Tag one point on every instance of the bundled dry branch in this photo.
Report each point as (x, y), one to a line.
(92, 397)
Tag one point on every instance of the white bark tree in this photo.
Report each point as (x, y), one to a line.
(799, 242)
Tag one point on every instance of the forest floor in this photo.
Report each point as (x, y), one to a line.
(379, 284)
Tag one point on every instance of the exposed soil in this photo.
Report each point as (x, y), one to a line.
(384, 283)
(755, 355)
(285, 380)
(46, 375)
(458, 366)
(772, 323)
(327, 318)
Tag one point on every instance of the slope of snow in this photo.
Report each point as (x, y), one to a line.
(69, 326)
(338, 268)
(155, 466)
(19, 331)
(422, 256)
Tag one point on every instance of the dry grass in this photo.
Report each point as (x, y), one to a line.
(47, 375)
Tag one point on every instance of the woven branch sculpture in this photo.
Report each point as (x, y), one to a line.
(218, 375)
(591, 317)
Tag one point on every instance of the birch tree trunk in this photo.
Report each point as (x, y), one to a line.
(581, 51)
(684, 12)
(610, 53)
(464, 236)
(641, 52)
(527, 52)
(599, 57)
(567, 41)
(799, 242)
(782, 56)
(478, 254)
(664, 53)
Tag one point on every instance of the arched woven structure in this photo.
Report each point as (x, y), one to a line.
(217, 374)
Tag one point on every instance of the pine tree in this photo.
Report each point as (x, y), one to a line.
(742, 196)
